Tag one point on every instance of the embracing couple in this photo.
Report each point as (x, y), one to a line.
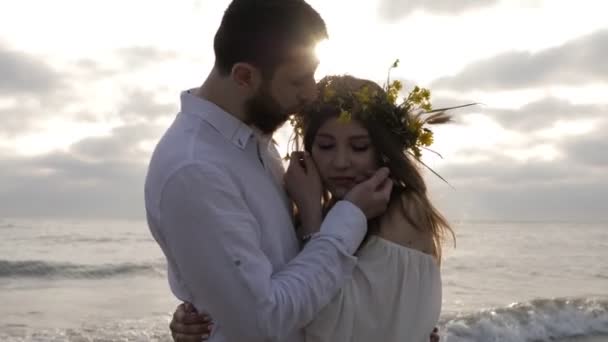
(343, 246)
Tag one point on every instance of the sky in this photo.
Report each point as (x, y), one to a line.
(88, 87)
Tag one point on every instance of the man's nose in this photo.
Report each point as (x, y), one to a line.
(311, 92)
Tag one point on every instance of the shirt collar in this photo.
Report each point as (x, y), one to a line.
(229, 126)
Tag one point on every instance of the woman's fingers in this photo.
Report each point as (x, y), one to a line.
(190, 329)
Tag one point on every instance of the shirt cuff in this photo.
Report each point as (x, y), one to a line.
(347, 223)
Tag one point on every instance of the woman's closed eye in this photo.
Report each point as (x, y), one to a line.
(360, 147)
(325, 146)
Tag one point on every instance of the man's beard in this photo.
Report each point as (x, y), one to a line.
(265, 113)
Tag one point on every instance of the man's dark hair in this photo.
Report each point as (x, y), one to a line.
(263, 32)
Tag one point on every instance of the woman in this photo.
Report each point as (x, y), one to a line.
(353, 129)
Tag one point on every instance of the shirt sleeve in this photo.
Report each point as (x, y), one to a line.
(213, 242)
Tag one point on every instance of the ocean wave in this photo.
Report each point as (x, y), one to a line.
(45, 269)
(538, 320)
(151, 329)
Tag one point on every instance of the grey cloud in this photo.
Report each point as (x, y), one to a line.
(41, 91)
(573, 187)
(583, 201)
(396, 9)
(37, 89)
(121, 146)
(501, 172)
(61, 185)
(26, 74)
(141, 56)
(576, 62)
(502, 189)
(544, 112)
(98, 177)
(88, 68)
(590, 150)
(137, 105)
(142, 104)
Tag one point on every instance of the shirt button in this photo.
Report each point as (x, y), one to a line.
(237, 262)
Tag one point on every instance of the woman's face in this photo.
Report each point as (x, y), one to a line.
(343, 154)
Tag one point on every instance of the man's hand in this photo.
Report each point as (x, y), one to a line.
(372, 195)
(303, 184)
(188, 325)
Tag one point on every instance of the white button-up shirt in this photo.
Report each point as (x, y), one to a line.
(224, 224)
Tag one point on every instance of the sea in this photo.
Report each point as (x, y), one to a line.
(70, 280)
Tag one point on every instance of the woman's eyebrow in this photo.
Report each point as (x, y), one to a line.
(325, 135)
(359, 137)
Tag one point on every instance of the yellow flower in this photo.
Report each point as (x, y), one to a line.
(426, 138)
(345, 116)
(393, 91)
(397, 85)
(328, 94)
(364, 96)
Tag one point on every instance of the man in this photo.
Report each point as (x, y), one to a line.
(214, 197)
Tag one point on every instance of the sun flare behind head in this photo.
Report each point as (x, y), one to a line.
(322, 49)
(344, 55)
(323, 53)
(336, 57)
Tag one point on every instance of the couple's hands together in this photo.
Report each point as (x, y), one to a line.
(304, 186)
(187, 325)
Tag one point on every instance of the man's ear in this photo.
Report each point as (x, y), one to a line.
(246, 76)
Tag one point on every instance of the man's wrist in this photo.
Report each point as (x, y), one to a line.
(311, 218)
(311, 221)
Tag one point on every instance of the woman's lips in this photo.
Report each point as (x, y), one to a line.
(342, 181)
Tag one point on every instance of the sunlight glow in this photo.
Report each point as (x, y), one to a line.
(58, 135)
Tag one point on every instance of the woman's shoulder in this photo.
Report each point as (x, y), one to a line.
(400, 225)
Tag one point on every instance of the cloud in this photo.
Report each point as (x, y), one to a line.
(503, 189)
(60, 185)
(577, 62)
(572, 187)
(25, 74)
(142, 56)
(31, 90)
(396, 9)
(590, 150)
(141, 104)
(98, 177)
(121, 146)
(545, 112)
(582, 201)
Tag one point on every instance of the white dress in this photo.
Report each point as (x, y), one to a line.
(394, 296)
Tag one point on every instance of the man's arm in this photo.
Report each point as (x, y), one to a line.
(213, 243)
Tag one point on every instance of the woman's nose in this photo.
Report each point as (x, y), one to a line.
(341, 160)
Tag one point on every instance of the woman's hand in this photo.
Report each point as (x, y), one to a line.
(188, 325)
(303, 184)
